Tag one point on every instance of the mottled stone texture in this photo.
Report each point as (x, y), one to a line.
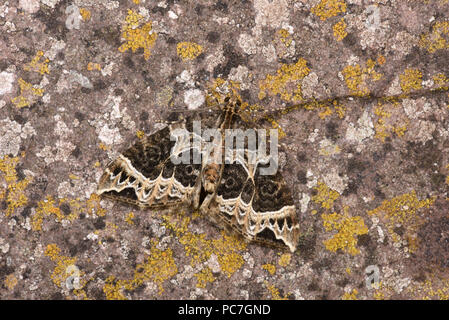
(358, 91)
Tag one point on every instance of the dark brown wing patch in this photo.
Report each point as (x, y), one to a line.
(258, 207)
(145, 175)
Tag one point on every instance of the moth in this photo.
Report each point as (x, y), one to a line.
(227, 187)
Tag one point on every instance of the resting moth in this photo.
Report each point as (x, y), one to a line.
(234, 195)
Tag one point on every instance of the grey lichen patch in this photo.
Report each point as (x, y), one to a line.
(62, 149)
(164, 96)
(29, 6)
(6, 82)
(11, 135)
(194, 99)
(363, 130)
(50, 3)
(75, 77)
(271, 13)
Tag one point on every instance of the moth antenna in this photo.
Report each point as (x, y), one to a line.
(179, 110)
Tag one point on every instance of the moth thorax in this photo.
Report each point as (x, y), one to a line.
(211, 175)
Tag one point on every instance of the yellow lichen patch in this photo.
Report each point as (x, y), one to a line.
(284, 36)
(386, 125)
(410, 80)
(339, 109)
(226, 248)
(329, 8)
(204, 277)
(369, 69)
(27, 94)
(347, 228)
(159, 267)
(65, 267)
(85, 14)
(73, 177)
(326, 112)
(275, 294)
(284, 259)
(286, 82)
(282, 41)
(382, 291)
(16, 197)
(112, 289)
(93, 66)
(94, 207)
(103, 147)
(8, 167)
(441, 81)
(340, 30)
(74, 206)
(90, 207)
(356, 77)
(325, 196)
(140, 134)
(200, 249)
(196, 246)
(403, 210)
(188, 50)
(437, 38)
(10, 281)
(164, 97)
(129, 218)
(326, 108)
(431, 289)
(221, 89)
(381, 60)
(36, 65)
(354, 80)
(381, 129)
(350, 295)
(137, 37)
(276, 125)
(271, 268)
(400, 130)
(329, 149)
(46, 208)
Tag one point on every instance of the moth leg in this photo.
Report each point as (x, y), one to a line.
(197, 195)
(206, 202)
(211, 174)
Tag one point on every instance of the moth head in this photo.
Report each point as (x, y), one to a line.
(210, 177)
